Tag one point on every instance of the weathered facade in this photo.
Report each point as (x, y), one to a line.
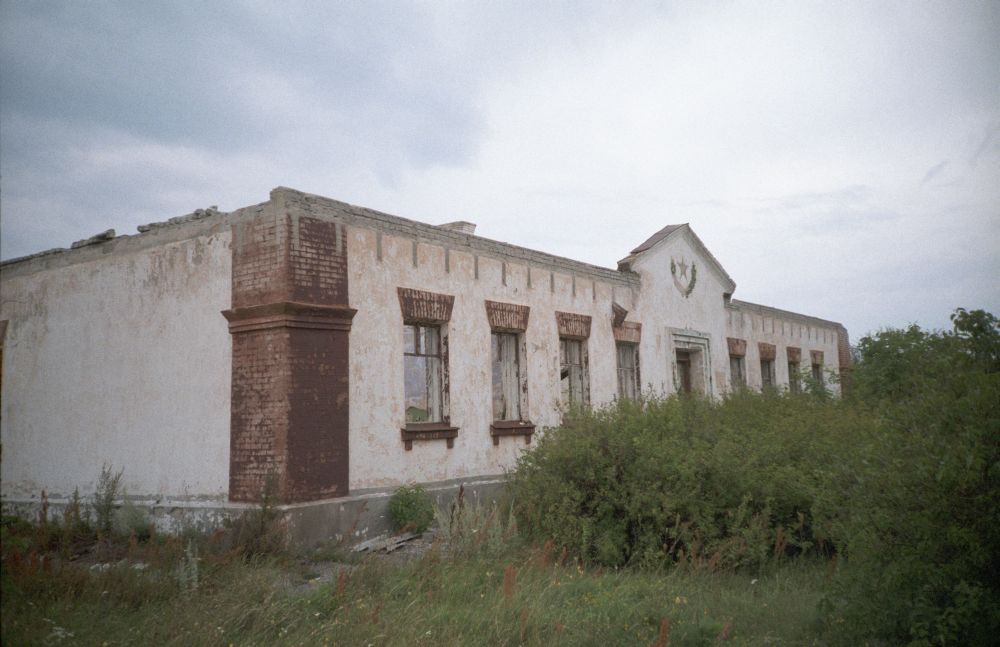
(341, 352)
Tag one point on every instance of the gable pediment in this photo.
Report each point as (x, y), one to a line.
(684, 267)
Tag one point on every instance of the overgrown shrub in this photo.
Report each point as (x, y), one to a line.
(411, 509)
(918, 500)
(726, 484)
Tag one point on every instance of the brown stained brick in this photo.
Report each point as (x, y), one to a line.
(767, 351)
(508, 317)
(290, 325)
(737, 347)
(573, 326)
(629, 331)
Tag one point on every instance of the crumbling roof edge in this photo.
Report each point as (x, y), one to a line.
(746, 305)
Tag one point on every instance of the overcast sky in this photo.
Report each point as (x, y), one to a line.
(839, 159)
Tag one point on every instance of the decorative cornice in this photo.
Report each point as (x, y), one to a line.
(421, 306)
(737, 347)
(629, 331)
(507, 316)
(573, 325)
(289, 314)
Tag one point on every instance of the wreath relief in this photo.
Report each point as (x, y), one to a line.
(686, 290)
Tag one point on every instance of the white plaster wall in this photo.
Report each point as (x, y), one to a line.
(123, 359)
(783, 331)
(378, 457)
(661, 307)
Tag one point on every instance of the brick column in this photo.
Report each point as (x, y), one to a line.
(290, 324)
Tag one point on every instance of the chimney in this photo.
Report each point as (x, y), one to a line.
(461, 226)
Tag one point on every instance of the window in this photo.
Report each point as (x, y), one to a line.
(628, 370)
(508, 367)
(817, 373)
(422, 373)
(766, 373)
(574, 377)
(794, 381)
(506, 376)
(817, 366)
(571, 374)
(737, 373)
(737, 363)
(425, 367)
(768, 354)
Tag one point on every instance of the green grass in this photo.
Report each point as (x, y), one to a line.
(457, 600)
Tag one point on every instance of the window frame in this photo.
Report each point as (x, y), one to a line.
(632, 350)
(738, 377)
(434, 374)
(428, 310)
(509, 321)
(574, 328)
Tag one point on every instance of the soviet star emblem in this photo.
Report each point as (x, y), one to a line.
(685, 289)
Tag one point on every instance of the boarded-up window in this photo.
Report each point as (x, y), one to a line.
(506, 377)
(572, 374)
(737, 372)
(422, 372)
(628, 370)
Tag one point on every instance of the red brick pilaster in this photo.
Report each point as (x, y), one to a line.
(290, 324)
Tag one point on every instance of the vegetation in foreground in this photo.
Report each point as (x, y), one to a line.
(763, 519)
(489, 588)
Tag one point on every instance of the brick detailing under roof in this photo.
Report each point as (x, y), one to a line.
(573, 326)
(425, 307)
(508, 317)
(629, 331)
(844, 358)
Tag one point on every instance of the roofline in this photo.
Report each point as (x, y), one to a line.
(746, 305)
(373, 219)
(202, 221)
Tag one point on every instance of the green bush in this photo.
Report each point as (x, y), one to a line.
(918, 500)
(728, 484)
(411, 509)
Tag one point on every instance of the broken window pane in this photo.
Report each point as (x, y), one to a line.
(506, 377)
(422, 373)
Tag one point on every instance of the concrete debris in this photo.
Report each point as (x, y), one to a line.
(197, 214)
(96, 239)
(384, 544)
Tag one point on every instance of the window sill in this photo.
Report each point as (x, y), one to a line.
(428, 431)
(501, 428)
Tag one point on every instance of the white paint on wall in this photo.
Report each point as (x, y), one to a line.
(121, 359)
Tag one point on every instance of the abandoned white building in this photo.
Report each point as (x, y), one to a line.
(343, 352)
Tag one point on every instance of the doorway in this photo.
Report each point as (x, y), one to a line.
(684, 371)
